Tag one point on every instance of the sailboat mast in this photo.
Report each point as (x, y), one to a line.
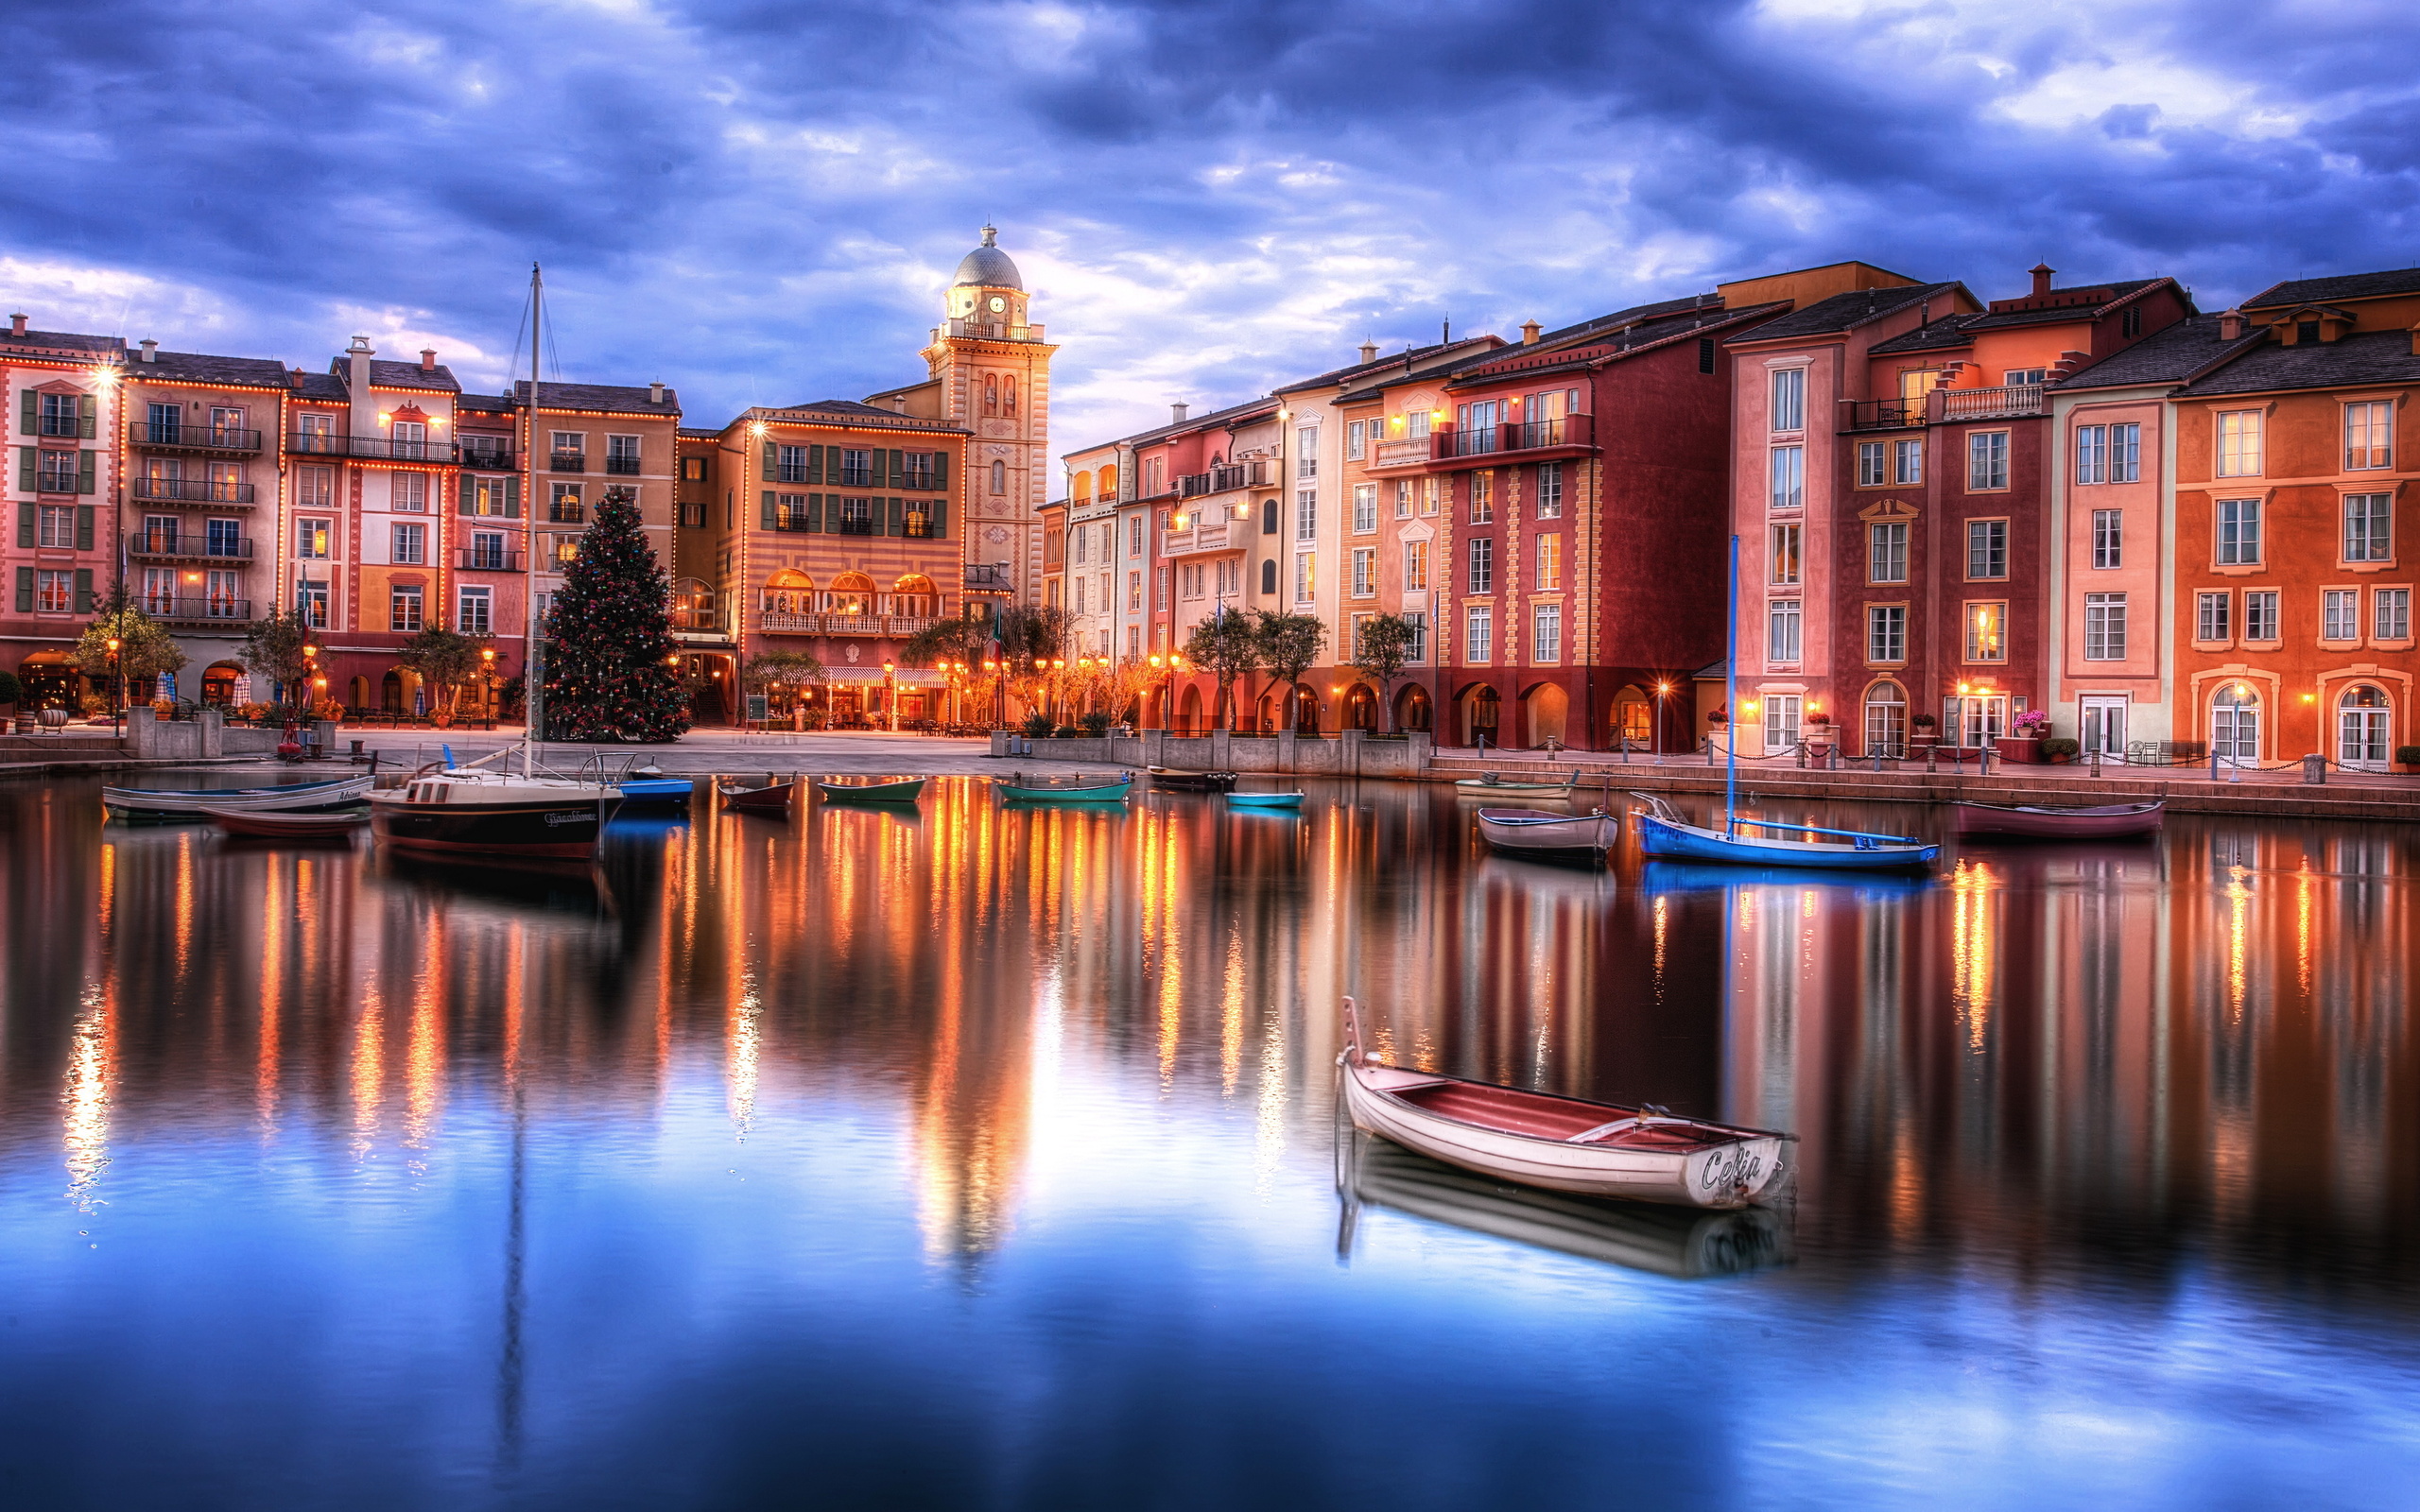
(533, 652)
(1731, 700)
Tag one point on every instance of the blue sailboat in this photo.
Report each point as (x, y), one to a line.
(1665, 834)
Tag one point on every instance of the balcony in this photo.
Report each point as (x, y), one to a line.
(775, 621)
(622, 466)
(988, 578)
(487, 459)
(226, 439)
(856, 527)
(162, 546)
(1223, 479)
(1411, 451)
(200, 609)
(2008, 401)
(1208, 535)
(566, 513)
(567, 461)
(1885, 414)
(371, 448)
(1517, 439)
(478, 560)
(191, 490)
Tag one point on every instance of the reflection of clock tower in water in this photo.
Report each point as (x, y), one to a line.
(994, 369)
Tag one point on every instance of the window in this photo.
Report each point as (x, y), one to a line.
(1782, 620)
(311, 539)
(565, 508)
(1480, 633)
(1549, 564)
(1134, 588)
(501, 497)
(1365, 507)
(2104, 627)
(2340, 614)
(1365, 571)
(1416, 424)
(1230, 574)
(1307, 514)
(2238, 532)
(54, 591)
(1987, 548)
(412, 545)
(472, 616)
(1482, 576)
(59, 471)
(2109, 454)
(1872, 463)
(1306, 580)
(1886, 633)
(2368, 527)
(693, 469)
(566, 549)
(315, 487)
(1268, 576)
(1987, 459)
(1355, 440)
(1986, 632)
(2391, 613)
(1546, 633)
(622, 455)
(2210, 616)
(1886, 552)
(1188, 583)
(2261, 615)
(1886, 720)
(1781, 721)
(1549, 490)
(2369, 436)
(1403, 498)
(570, 444)
(1705, 353)
(1786, 563)
(2108, 538)
(311, 602)
(1907, 461)
(790, 464)
(403, 610)
(1482, 498)
(487, 550)
(1306, 453)
(1418, 649)
(1428, 496)
(1788, 473)
(58, 526)
(2130, 322)
(410, 494)
(1133, 535)
(2025, 377)
(225, 537)
(64, 414)
(1415, 566)
(2239, 443)
(1000, 477)
(1790, 399)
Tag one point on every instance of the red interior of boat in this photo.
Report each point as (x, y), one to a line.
(1540, 1116)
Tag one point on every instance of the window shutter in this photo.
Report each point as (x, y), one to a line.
(84, 527)
(83, 590)
(84, 470)
(941, 517)
(815, 508)
(25, 476)
(88, 412)
(898, 470)
(25, 524)
(941, 470)
(31, 412)
(512, 498)
(769, 509)
(773, 460)
(813, 465)
(464, 494)
(26, 588)
(898, 525)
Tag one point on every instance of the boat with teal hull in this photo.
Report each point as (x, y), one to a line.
(1265, 801)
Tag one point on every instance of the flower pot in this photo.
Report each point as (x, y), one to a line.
(2026, 751)
(54, 718)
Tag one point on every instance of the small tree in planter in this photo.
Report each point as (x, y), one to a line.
(1923, 730)
(1289, 644)
(12, 692)
(2408, 756)
(1227, 645)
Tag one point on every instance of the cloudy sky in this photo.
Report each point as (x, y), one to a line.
(759, 201)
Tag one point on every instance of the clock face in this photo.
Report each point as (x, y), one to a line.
(998, 304)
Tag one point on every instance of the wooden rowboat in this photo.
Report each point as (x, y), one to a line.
(273, 825)
(1265, 801)
(1492, 782)
(1562, 1143)
(1176, 779)
(1538, 835)
(774, 798)
(901, 790)
(1018, 789)
(1664, 834)
(190, 802)
(2026, 821)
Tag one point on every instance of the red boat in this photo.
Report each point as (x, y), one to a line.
(2027, 821)
(772, 800)
(273, 826)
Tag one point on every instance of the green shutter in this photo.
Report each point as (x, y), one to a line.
(898, 470)
(26, 473)
(32, 412)
(815, 464)
(769, 509)
(898, 523)
(83, 527)
(84, 470)
(463, 495)
(88, 414)
(773, 460)
(814, 506)
(941, 470)
(83, 590)
(512, 498)
(25, 589)
(941, 518)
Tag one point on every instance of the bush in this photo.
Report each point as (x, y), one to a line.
(1067, 733)
(11, 691)
(2408, 755)
(1095, 724)
(1924, 722)
(1037, 726)
(2062, 745)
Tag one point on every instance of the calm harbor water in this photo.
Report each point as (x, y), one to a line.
(987, 1158)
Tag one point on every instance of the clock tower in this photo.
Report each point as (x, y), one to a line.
(992, 369)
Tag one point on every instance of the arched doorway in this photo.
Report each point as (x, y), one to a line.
(390, 693)
(1188, 711)
(357, 692)
(1264, 713)
(1885, 719)
(1360, 708)
(1482, 710)
(1633, 720)
(1544, 709)
(1306, 710)
(2362, 716)
(218, 682)
(1411, 709)
(2235, 724)
(51, 681)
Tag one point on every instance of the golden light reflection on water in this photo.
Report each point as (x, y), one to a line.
(1971, 966)
(368, 1071)
(92, 1066)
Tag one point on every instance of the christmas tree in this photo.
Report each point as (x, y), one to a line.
(608, 638)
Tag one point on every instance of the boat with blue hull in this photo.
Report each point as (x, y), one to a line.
(656, 793)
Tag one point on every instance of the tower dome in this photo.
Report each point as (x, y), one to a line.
(988, 265)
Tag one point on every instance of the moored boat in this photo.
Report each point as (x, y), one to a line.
(1538, 835)
(773, 798)
(1178, 779)
(657, 792)
(2028, 821)
(1665, 834)
(896, 790)
(1561, 1143)
(286, 825)
(1077, 789)
(463, 812)
(188, 803)
(1486, 782)
(1265, 801)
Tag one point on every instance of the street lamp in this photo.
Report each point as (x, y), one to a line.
(1663, 691)
(117, 684)
(487, 678)
(891, 697)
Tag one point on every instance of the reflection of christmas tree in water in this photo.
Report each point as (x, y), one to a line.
(609, 638)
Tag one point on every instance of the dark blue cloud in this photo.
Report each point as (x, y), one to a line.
(759, 201)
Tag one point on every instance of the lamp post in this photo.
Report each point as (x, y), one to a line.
(891, 697)
(310, 675)
(1663, 691)
(486, 680)
(117, 684)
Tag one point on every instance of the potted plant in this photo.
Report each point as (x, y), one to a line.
(2060, 751)
(1095, 724)
(2023, 743)
(1921, 732)
(2407, 756)
(12, 692)
(164, 708)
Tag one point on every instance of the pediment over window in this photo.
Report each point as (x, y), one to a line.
(1888, 509)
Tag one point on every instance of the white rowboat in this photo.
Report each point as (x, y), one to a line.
(194, 803)
(1538, 835)
(1562, 1143)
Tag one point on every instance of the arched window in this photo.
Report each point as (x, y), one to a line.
(693, 604)
(850, 594)
(1269, 575)
(1886, 720)
(999, 477)
(1109, 481)
(2235, 724)
(1008, 396)
(2361, 719)
(1269, 526)
(991, 395)
(1081, 487)
(787, 592)
(915, 597)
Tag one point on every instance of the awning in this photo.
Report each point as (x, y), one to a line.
(874, 677)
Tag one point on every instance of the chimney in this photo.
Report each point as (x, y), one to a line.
(364, 418)
(1529, 333)
(294, 379)
(150, 351)
(2231, 326)
(2042, 272)
(1176, 413)
(1369, 352)
(17, 325)
(655, 392)
(428, 359)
